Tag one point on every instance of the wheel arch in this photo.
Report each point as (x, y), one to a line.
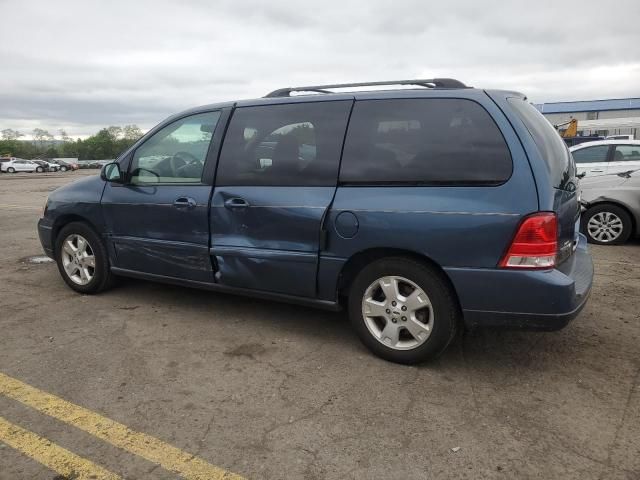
(359, 260)
(66, 219)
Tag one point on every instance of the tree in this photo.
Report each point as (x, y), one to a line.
(41, 136)
(131, 132)
(63, 136)
(10, 134)
(114, 132)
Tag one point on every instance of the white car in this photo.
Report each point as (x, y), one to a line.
(19, 165)
(606, 156)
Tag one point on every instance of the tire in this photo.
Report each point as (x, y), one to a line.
(101, 276)
(63, 169)
(39, 169)
(11, 170)
(442, 316)
(606, 224)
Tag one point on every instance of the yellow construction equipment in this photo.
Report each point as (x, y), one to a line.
(569, 132)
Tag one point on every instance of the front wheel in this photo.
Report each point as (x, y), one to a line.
(63, 169)
(606, 225)
(11, 170)
(402, 310)
(39, 169)
(82, 259)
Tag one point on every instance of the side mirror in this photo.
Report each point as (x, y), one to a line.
(111, 173)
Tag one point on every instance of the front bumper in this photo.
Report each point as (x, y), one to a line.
(529, 300)
(45, 232)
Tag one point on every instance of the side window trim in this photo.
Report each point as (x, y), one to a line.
(131, 155)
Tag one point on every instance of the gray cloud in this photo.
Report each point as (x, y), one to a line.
(81, 65)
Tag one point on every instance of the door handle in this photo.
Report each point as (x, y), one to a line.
(597, 170)
(236, 203)
(185, 202)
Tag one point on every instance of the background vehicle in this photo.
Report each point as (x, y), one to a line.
(611, 206)
(606, 156)
(47, 166)
(620, 137)
(20, 165)
(65, 166)
(419, 210)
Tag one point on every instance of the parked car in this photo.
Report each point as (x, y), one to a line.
(65, 166)
(20, 165)
(47, 166)
(419, 210)
(620, 137)
(606, 156)
(611, 206)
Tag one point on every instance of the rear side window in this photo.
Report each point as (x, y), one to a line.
(627, 153)
(424, 141)
(550, 145)
(591, 154)
(294, 144)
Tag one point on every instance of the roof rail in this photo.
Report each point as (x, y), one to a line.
(428, 83)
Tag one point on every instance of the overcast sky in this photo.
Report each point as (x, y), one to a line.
(82, 65)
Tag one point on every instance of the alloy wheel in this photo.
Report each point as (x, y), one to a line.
(78, 259)
(397, 312)
(605, 227)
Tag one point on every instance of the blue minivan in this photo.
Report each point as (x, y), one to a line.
(420, 210)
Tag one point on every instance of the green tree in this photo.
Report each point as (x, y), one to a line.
(10, 134)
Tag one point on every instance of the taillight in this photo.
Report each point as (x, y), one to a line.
(535, 244)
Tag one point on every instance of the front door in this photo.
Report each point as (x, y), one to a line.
(158, 220)
(275, 181)
(591, 160)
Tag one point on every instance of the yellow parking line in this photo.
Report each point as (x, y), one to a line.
(148, 447)
(51, 455)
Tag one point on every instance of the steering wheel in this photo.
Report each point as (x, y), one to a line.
(181, 159)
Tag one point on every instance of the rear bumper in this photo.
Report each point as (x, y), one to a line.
(45, 232)
(529, 300)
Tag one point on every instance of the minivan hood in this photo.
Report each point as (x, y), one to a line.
(81, 190)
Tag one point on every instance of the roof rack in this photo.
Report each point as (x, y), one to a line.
(428, 83)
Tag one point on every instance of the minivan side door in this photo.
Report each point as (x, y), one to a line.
(276, 179)
(624, 158)
(157, 221)
(592, 160)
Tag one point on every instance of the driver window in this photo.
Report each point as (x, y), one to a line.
(176, 153)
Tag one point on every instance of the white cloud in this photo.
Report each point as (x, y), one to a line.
(81, 65)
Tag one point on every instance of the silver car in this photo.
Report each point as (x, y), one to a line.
(611, 207)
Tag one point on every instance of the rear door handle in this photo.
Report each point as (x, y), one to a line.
(236, 202)
(185, 202)
(597, 170)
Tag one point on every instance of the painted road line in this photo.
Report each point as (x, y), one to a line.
(49, 454)
(148, 447)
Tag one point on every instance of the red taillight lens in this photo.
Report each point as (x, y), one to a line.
(535, 244)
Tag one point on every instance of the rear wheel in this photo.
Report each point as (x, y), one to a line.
(63, 168)
(82, 259)
(606, 224)
(11, 170)
(402, 310)
(39, 169)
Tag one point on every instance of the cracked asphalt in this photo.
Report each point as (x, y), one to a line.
(272, 391)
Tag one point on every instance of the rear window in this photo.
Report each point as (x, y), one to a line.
(550, 145)
(591, 154)
(424, 141)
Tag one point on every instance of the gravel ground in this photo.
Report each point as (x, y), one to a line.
(268, 390)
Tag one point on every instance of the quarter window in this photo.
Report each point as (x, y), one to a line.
(424, 141)
(591, 154)
(293, 144)
(176, 153)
